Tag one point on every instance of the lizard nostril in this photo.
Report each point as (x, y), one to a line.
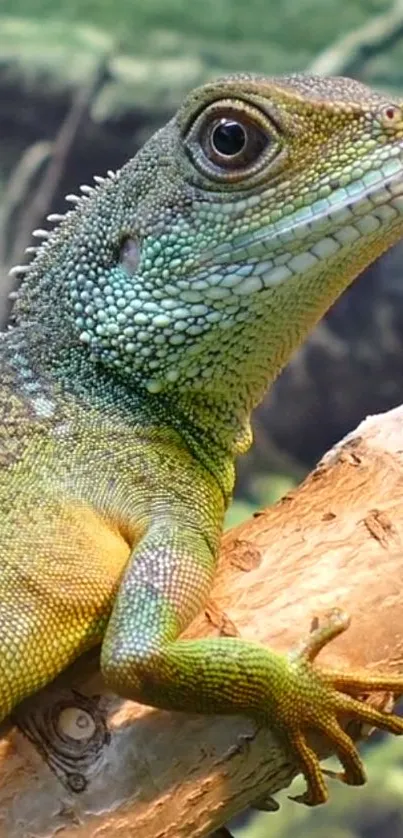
(129, 255)
(392, 114)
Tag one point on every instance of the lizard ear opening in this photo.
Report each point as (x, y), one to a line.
(129, 255)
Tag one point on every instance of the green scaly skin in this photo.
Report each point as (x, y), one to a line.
(147, 328)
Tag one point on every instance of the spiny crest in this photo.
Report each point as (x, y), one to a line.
(55, 218)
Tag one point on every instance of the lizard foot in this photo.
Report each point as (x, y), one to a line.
(321, 696)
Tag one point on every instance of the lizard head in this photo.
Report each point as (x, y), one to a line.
(201, 265)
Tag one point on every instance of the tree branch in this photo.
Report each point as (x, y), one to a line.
(349, 54)
(118, 767)
(21, 212)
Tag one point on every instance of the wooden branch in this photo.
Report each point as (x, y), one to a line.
(33, 213)
(21, 212)
(120, 769)
(20, 182)
(349, 54)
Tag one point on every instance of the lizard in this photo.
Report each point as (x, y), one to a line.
(150, 322)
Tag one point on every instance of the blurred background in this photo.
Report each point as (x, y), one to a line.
(82, 84)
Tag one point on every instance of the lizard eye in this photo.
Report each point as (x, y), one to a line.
(231, 142)
(228, 137)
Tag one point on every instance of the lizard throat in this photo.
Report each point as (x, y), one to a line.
(244, 288)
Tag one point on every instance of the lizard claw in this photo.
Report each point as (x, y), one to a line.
(334, 695)
(265, 804)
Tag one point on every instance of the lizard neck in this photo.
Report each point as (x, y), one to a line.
(51, 375)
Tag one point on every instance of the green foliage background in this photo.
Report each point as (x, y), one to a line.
(372, 811)
(161, 47)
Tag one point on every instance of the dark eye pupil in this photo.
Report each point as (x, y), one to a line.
(228, 138)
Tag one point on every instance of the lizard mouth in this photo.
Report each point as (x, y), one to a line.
(369, 206)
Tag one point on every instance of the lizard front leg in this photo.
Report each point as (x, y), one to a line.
(163, 588)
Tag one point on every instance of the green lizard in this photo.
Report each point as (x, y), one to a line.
(146, 329)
